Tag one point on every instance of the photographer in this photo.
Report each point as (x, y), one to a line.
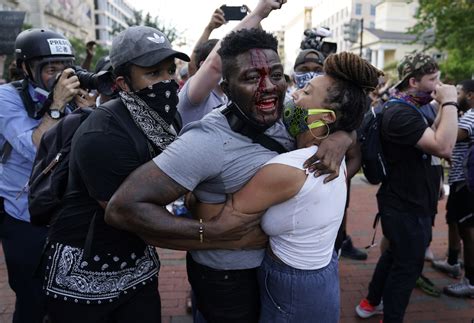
(27, 112)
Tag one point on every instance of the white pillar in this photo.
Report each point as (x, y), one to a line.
(373, 58)
(380, 58)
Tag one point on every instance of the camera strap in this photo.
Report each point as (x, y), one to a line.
(239, 125)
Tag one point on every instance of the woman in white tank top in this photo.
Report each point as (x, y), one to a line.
(298, 277)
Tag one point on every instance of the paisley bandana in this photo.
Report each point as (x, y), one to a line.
(158, 130)
(418, 98)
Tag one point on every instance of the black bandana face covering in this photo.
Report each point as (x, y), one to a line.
(161, 97)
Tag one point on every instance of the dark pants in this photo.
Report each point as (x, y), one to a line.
(401, 264)
(230, 296)
(23, 245)
(144, 306)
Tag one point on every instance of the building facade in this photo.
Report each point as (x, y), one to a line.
(73, 18)
(110, 16)
(326, 13)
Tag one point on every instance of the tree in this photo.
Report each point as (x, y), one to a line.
(139, 20)
(452, 23)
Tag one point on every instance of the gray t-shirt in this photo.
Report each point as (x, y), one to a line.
(211, 160)
(192, 112)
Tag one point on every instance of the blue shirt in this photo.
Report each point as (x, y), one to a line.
(16, 128)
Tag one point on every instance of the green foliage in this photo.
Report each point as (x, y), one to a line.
(80, 51)
(139, 20)
(452, 23)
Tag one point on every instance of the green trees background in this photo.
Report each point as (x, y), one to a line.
(452, 22)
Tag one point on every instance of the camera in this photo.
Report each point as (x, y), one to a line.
(102, 81)
(313, 39)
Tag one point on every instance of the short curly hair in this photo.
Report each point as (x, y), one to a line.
(241, 41)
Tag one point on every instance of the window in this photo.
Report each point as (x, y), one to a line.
(372, 24)
(372, 10)
(358, 10)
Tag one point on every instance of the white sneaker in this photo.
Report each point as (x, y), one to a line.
(443, 265)
(460, 289)
(365, 310)
(429, 254)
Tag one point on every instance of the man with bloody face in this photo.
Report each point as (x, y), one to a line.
(211, 158)
(258, 88)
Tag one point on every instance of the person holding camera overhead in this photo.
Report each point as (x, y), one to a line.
(28, 110)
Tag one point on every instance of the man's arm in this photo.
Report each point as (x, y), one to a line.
(331, 151)
(255, 239)
(441, 141)
(139, 206)
(210, 73)
(353, 159)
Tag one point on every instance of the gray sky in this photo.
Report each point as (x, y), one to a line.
(191, 16)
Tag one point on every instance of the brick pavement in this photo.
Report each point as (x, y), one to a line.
(355, 275)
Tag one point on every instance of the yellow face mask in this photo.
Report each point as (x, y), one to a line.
(296, 118)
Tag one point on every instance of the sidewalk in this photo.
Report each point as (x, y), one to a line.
(355, 275)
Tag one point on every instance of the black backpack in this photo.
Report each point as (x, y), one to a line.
(373, 161)
(50, 172)
(49, 176)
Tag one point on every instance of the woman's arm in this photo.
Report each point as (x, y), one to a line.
(273, 184)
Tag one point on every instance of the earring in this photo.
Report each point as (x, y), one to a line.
(322, 137)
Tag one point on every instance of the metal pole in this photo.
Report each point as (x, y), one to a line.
(361, 34)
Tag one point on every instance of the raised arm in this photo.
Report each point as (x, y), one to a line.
(209, 74)
(440, 142)
(216, 21)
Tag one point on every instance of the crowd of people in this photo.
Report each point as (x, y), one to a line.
(263, 166)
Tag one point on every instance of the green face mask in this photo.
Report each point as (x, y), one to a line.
(296, 118)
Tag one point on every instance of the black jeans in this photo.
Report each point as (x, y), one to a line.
(230, 296)
(401, 264)
(23, 245)
(143, 306)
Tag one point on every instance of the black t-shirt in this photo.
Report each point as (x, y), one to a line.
(412, 185)
(102, 156)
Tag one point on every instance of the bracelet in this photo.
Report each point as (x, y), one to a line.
(201, 231)
(450, 103)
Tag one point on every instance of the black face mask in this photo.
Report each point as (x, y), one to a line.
(161, 97)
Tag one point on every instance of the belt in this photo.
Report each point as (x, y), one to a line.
(218, 274)
(273, 256)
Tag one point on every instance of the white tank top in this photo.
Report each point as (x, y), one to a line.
(303, 229)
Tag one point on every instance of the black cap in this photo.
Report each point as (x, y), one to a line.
(143, 46)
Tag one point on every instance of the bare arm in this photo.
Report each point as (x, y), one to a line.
(273, 184)
(255, 239)
(89, 55)
(217, 20)
(209, 74)
(463, 135)
(353, 159)
(139, 206)
(440, 142)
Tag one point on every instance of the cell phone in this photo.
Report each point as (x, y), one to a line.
(234, 12)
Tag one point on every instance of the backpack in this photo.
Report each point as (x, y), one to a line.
(374, 165)
(49, 177)
(468, 166)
